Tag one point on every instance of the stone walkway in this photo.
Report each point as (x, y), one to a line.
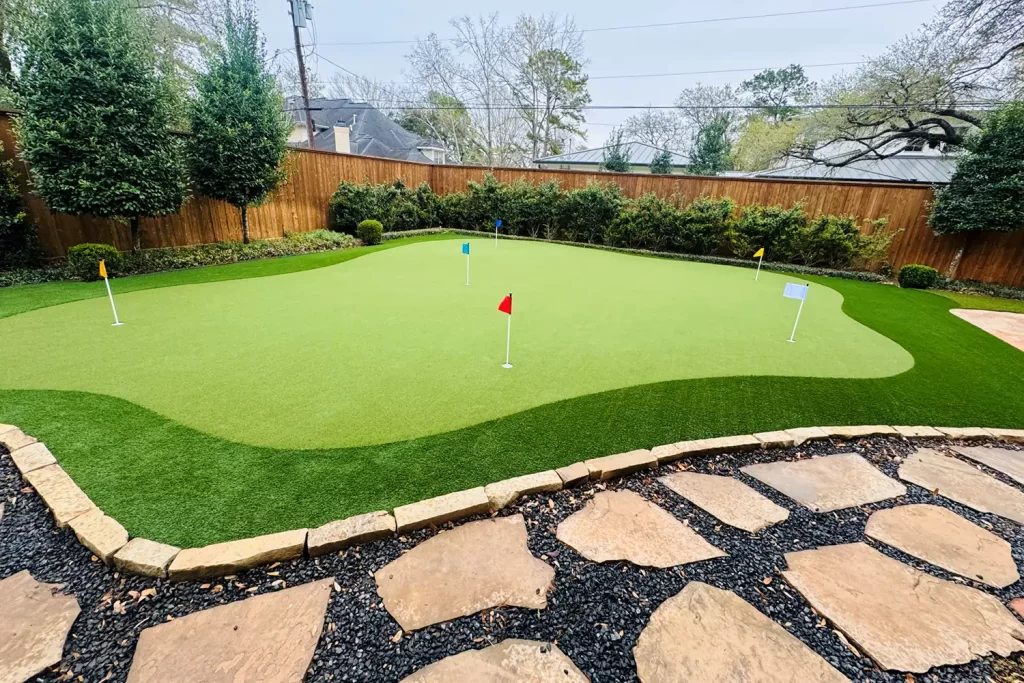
(1007, 326)
(812, 563)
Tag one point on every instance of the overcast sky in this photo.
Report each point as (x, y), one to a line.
(821, 38)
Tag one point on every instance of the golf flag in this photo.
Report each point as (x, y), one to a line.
(793, 291)
(465, 250)
(506, 307)
(497, 224)
(759, 254)
(103, 274)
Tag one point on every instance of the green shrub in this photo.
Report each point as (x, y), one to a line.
(584, 213)
(19, 245)
(914, 276)
(486, 202)
(775, 229)
(394, 206)
(370, 232)
(704, 225)
(645, 223)
(84, 260)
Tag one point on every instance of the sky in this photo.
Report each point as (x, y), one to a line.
(752, 44)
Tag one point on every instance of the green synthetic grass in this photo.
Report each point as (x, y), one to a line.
(395, 346)
(178, 485)
(985, 303)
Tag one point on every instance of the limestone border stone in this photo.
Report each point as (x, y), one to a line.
(573, 475)
(101, 534)
(621, 464)
(335, 536)
(145, 557)
(441, 509)
(500, 494)
(32, 457)
(60, 493)
(222, 559)
(919, 432)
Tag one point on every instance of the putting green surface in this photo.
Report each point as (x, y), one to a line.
(394, 345)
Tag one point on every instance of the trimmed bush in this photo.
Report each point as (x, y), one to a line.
(914, 276)
(84, 260)
(370, 232)
(19, 246)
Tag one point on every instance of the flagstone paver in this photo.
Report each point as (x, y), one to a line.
(145, 557)
(966, 484)
(99, 533)
(1001, 324)
(727, 499)
(829, 483)
(621, 464)
(902, 618)
(621, 525)
(510, 661)
(32, 457)
(504, 492)
(341, 534)
(222, 559)
(1010, 463)
(269, 638)
(441, 509)
(712, 635)
(463, 571)
(35, 619)
(944, 538)
(62, 495)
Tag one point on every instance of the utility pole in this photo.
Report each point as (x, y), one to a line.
(301, 11)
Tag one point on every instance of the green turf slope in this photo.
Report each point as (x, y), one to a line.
(181, 486)
(394, 345)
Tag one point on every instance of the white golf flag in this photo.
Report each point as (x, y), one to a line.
(793, 291)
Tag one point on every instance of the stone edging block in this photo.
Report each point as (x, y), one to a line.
(573, 475)
(621, 464)
(335, 536)
(919, 432)
(231, 557)
(101, 534)
(60, 493)
(860, 431)
(13, 438)
(32, 457)
(145, 557)
(500, 494)
(441, 509)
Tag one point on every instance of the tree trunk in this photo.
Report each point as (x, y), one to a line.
(136, 233)
(245, 225)
(954, 265)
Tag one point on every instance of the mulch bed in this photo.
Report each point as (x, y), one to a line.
(595, 611)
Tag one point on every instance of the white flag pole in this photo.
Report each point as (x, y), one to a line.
(467, 269)
(759, 261)
(112, 307)
(508, 343)
(792, 336)
(495, 235)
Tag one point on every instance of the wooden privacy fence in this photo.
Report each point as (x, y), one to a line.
(301, 204)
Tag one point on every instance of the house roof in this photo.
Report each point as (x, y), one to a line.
(640, 154)
(371, 133)
(912, 168)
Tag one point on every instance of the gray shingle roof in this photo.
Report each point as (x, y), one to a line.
(916, 168)
(371, 133)
(640, 154)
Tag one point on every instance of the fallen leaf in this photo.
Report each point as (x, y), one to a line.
(273, 573)
(119, 607)
(217, 589)
(766, 580)
(397, 637)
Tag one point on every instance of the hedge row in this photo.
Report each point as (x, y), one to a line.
(599, 214)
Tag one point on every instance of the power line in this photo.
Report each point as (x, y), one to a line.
(670, 23)
(717, 71)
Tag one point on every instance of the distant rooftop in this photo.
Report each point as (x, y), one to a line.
(907, 168)
(640, 154)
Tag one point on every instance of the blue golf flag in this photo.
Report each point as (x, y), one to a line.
(465, 248)
(498, 223)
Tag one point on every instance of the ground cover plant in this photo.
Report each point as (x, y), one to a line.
(184, 486)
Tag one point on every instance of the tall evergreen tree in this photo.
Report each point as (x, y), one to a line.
(239, 129)
(19, 246)
(96, 114)
(661, 164)
(711, 148)
(616, 155)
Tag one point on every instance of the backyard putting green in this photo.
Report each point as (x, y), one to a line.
(394, 345)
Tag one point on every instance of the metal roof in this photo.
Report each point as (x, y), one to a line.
(640, 154)
(371, 133)
(907, 168)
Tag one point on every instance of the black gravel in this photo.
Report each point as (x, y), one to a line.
(595, 611)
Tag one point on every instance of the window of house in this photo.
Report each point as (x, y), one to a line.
(914, 146)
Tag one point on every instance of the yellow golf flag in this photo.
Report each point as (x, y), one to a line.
(759, 252)
(103, 269)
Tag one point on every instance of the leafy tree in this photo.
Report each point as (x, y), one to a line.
(987, 189)
(13, 17)
(552, 90)
(762, 142)
(96, 114)
(444, 118)
(659, 128)
(19, 247)
(661, 164)
(616, 154)
(778, 90)
(239, 130)
(711, 147)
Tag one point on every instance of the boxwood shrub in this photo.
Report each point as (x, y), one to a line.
(84, 260)
(370, 231)
(915, 276)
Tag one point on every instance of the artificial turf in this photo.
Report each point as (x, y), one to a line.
(395, 346)
(179, 485)
(985, 303)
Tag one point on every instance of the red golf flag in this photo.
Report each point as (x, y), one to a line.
(506, 305)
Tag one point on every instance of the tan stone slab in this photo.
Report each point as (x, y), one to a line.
(966, 484)
(232, 557)
(60, 493)
(859, 431)
(573, 475)
(1011, 435)
(501, 493)
(830, 483)
(35, 619)
(919, 432)
(945, 539)
(103, 535)
(904, 619)
(441, 509)
(802, 434)
(776, 439)
(1000, 324)
(621, 525)
(145, 557)
(268, 638)
(32, 457)
(621, 464)
(1010, 463)
(727, 499)
(14, 438)
(1017, 605)
(721, 444)
(335, 536)
(457, 573)
(668, 452)
(711, 635)
(966, 432)
(510, 661)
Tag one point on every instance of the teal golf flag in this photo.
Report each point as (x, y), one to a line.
(465, 248)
